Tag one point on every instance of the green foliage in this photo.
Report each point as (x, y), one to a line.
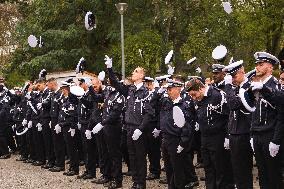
(149, 42)
(190, 28)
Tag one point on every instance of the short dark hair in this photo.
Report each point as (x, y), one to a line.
(51, 79)
(40, 80)
(194, 85)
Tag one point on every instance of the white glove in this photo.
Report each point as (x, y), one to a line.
(171, 70)
(24, 122)
(39, 127)
(137, 133)
(256, 85)
(161, 90)
(49, 124)
(251, 144)
(108, 61)
(72, 132)
(39, 106)
(14, 127)
(57, 129)
(179, 149)
(196, 127)
(228, 79)
(79, 125)
(227, 144)
(97, 128)
(156, 133)
(30, 124)
(198, 70)
(273, 149)
(88, 134)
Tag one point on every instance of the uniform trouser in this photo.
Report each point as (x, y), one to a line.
(90, 152)
(137, 157)
(82, 144)
(190, 167)
(104, 161)
(112, 135)
(153, 146)
(215, 162)
(242, 160)
(38, 142)
(3, 146)
(72, 148)
(30, 144)
(269, 169)
(176, 171)
(22, 143)
(58, 145)
(124, 149)
(47, 139)
(10, 138)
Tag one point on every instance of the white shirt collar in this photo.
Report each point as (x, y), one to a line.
(177, 100)
(138, 86)
(266, 79)
(206, 90)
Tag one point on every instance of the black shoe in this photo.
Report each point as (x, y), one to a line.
(89, 176)
(38, 163)
(152, 176)
(191, 185)
(7, 156)
(21, 158)
(47, 166)
(163, 181)
(114, 184)
(56, 169)
(141, 186)
(82, 176)
(101, 180)
(71, 173)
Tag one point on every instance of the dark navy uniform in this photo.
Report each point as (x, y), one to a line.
(4, 108)
(135, 99)
(68, 120)
(58, 139)
(175, 163)
(212, 116)
(111, 120)
(239, 137)
(266, 127)
(46, 128)
(85, 108)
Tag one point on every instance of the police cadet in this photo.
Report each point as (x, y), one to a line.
(35, 124)
(44, 109)
(111, 126)
(218, 76)
(57, 135)
(266, 125)
(177, 135)
(18, 117)
(98, 93)
(152, 134)
(239, 127)
(212, 116)
(85, 108)
(67, 123)
(135, 99)
(4, 108)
